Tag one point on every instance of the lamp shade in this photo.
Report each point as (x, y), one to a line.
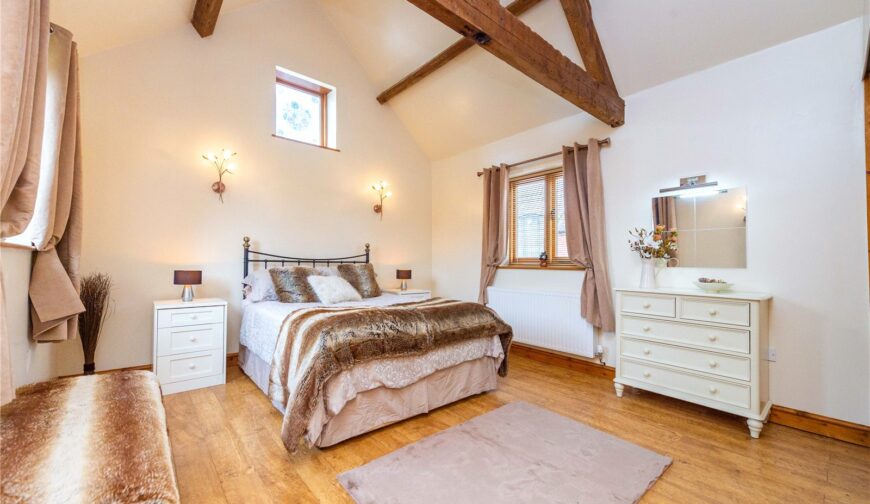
(187, 277)
(403, 274)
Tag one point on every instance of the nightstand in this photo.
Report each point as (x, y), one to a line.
(411, 294)
(190, 344)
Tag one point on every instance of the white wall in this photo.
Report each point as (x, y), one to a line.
(31, 361)
(151, 108)
(785, 122)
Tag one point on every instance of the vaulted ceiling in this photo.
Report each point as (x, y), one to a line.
(476, 98)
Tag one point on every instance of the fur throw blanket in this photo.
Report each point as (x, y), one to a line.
(317, 343)
(99, 438)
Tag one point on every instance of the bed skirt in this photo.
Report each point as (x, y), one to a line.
(379, 407)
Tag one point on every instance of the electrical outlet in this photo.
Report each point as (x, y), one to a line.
(771, 354)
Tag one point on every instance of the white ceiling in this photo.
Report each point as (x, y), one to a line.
(476, 98)
(103, 24)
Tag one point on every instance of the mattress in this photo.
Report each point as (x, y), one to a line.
(376, 393)
(378, 407)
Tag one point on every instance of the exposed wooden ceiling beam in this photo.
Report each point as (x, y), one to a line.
(205, 16)
(579, 15)
(501, 33)
(516, 7)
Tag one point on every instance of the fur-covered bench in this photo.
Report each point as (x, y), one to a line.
(99, 438)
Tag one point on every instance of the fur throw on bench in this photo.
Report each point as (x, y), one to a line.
(99, 438)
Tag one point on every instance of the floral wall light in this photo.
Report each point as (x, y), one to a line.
(223, 165)
(383, 193)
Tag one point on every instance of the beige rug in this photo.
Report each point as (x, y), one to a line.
(518, 453)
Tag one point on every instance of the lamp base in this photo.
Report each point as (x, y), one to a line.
(187, 294)
(404, 285)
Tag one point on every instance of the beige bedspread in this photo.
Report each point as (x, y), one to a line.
(99, 438)
(316, 344)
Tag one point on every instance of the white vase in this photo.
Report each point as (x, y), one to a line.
(649, 271)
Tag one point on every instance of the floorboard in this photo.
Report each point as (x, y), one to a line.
(227, 448)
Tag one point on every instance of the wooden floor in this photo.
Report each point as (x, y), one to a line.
(226, 445)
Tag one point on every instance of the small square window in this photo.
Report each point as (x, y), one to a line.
(304, 109)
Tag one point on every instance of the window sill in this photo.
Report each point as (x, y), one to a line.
(306, 143)
(558, 267)
(17, 246)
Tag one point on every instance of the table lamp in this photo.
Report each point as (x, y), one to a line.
(187, 278)
(404, 276)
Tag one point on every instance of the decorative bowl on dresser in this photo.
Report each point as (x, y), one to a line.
(705, 348)
(190, 344)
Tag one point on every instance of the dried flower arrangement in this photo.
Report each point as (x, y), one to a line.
(657, 244)
(95, 296)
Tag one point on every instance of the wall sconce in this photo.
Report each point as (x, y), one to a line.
(219, 160)
(381, 189)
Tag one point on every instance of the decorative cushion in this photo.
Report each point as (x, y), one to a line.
(291, 284)
(259, 287)
(333, 289)
(362, 277)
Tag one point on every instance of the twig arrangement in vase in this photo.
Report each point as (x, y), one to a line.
(94, 294)
(655, 249)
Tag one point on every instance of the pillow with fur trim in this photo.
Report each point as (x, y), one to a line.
(291, 284)
(333, 289)
(362, 277)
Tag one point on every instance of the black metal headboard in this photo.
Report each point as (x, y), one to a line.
(252, 256)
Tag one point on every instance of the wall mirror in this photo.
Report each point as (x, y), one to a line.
(711, 226)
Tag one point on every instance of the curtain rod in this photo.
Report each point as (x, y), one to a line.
(606, 141)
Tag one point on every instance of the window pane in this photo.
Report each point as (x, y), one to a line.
(530, 218)
(561, 237)
(297, 114)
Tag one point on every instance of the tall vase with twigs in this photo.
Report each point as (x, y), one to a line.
(95, 296)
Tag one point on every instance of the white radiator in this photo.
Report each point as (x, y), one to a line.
(545, 319)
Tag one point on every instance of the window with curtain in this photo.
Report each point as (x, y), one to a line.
(537, 221)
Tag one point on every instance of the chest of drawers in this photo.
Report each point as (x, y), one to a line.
(190, 344)
(709, 349)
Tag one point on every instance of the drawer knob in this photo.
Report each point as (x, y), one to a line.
(647, 328)
(712, 338)
(646, 351)
(194, 317)
(713, 390)
(713, 313)
(192, 366)
(646, 306)
(713, 364)
(646, 374)
(193, 339)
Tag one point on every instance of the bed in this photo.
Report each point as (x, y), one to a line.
(377, 392)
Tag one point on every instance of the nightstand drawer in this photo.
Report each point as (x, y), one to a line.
(662, 306)
(715, 311)
(174, 368)
(183, 339)
(688, 383)
(697, 360)
(175, 317)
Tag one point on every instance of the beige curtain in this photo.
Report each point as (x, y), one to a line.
(584, 223)
(495, 210)
(56, 227)
(24, 34)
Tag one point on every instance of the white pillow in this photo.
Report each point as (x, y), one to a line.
(259, 287)
(333, 289)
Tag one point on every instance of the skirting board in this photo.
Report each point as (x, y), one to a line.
(809, 422)
(232, 360)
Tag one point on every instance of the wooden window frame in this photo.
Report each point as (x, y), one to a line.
(285, 79)
(550, 238)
